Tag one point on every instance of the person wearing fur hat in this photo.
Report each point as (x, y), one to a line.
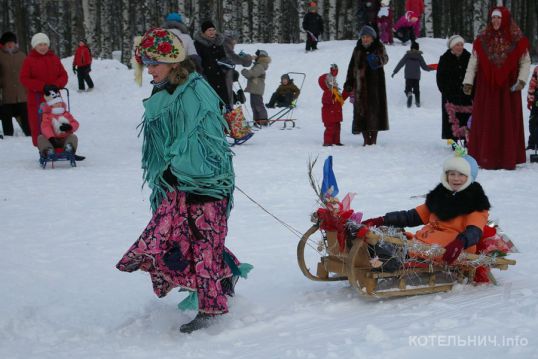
(365, 82)
(407, 27)
(13, 94)
(497, 72)
(455, 211)
(413, 62)
(450, 73)
(313, 25)
(210, 46)
(256, 86)
(331, 110)
(82, 65)
(188, 166)
(175, 23)
(58, 126)
(40, 68)
(285, 95)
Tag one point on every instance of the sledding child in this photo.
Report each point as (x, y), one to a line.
(413, 61)
(407, 27)
(331, 110)
(285, 94)
(532, 105)
(256, 86)
(455, 211)
(385, 22)
(57, 125)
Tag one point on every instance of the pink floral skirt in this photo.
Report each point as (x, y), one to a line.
(183, 246)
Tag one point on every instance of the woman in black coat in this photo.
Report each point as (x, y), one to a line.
(209, 45)
(450, 73)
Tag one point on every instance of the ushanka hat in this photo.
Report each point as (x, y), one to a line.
(462, 163)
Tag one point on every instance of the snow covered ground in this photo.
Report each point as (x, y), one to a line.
(63, 231)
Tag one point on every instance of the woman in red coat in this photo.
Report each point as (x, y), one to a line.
(41, 67)
(499, 68)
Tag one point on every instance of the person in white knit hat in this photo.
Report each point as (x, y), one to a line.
(40, 68)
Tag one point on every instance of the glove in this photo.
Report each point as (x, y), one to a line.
(348, 87)
(467, 89)
(392, 74)
(453, 250)
(65, 127)
(74, 69)
(374, 222)
(518, 86)
(374, 61)
(242, 53)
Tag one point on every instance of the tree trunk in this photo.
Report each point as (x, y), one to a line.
(428, 18)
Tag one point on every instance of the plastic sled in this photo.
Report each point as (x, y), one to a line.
(359, 264)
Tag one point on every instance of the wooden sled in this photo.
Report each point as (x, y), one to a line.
(354, 265)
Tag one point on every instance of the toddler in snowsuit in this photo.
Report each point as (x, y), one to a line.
(455, 211)
(256, 86)
(285, 94)
(532, 105)
(331, 110)
(57, 125)
(413, 61)
(385, 22)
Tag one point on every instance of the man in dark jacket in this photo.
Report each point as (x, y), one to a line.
(313, 25)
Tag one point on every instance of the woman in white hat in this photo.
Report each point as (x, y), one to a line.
(40, 68)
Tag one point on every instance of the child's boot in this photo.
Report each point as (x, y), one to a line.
(69, 148)
(417, 99)
(409, 99)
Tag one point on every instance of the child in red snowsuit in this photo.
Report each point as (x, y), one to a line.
(57, 125)
(331, 111)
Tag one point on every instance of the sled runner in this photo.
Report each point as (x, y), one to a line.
(365, 263)
(285, 114)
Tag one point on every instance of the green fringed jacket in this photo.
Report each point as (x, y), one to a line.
(184, 131)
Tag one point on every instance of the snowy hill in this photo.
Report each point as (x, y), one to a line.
(63, 231)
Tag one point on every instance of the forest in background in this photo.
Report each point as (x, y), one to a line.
(110, 25)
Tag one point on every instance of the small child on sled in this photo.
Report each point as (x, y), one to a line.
(57, 125)
(285, 94)
(455, 211)
(331, 111)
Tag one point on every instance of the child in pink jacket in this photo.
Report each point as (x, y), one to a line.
(57, 125)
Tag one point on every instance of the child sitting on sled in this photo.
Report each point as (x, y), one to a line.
(285, 94)
(455, 211)
(57, 125)
(331, 110)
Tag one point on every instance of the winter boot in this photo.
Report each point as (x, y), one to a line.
(409, 99)
(417, 99)
(50, 154)
(373, 137)
(262, 122)
(201, 321)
